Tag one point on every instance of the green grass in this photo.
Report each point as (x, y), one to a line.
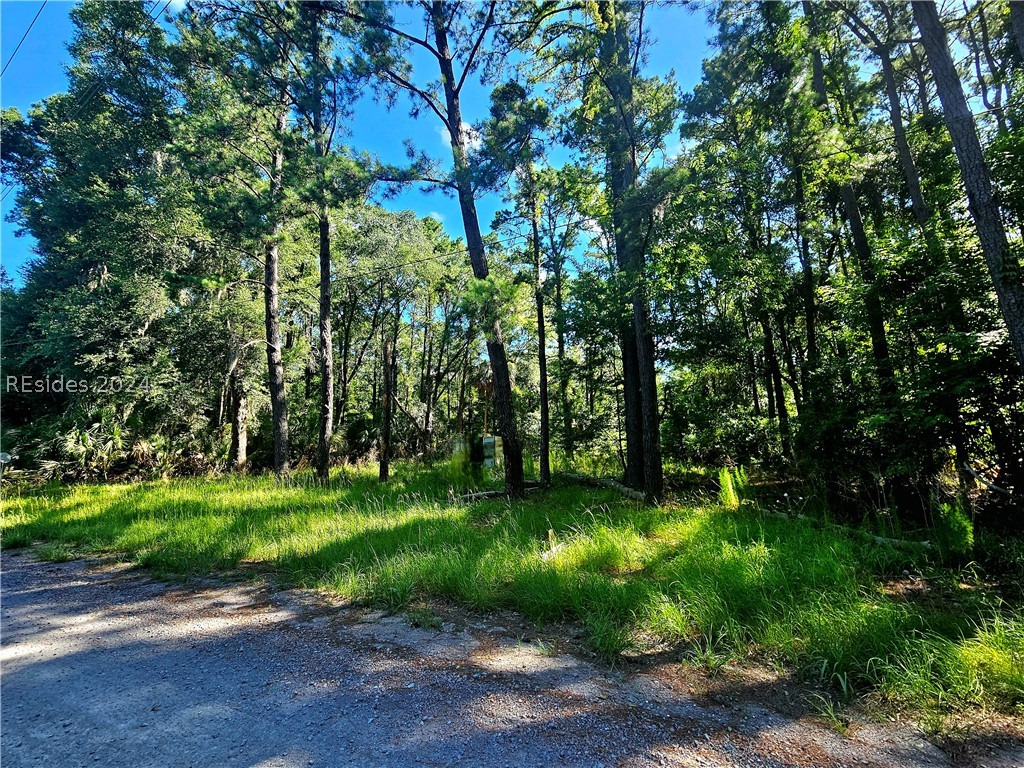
(719, 583)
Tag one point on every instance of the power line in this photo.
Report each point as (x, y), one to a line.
(93, 89)
(557, 227)
(18, 46)
(351, 276)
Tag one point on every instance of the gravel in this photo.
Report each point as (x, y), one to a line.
(102, 665)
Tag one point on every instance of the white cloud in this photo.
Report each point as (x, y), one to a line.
(594, 227)
(473, 137)
(436, 215)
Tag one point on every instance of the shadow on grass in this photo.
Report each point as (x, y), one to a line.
(692, 576)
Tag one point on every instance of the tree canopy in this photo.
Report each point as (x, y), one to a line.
(809, 263)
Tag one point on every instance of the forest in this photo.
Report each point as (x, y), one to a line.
(794, 291)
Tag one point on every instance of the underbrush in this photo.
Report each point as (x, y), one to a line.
(717, 581)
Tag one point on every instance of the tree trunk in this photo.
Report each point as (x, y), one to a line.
(653, 473)
(503, 405)
(912, 177)
(982, 201)
(344, 383)
(326, 432)
(1017, 25)
(872, 303)
(542, 355)
(922, 212)
(640, 391)
(772, 361)
(809, 370)
(238, 455)
(275, 361)
(460, 413)
(751, 362)
(563, 371)
(632, 416)
(861, 245)
(949, 401)
(791, 367)
(326, 348)
(389, 375)
(309, 371)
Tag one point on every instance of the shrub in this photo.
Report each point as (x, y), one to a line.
(954, 532)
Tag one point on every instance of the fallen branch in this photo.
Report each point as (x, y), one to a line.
(985, 482)
(898, 543)
(481, 495)
(606, 482)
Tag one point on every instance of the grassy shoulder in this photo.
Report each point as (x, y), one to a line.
(716, 582)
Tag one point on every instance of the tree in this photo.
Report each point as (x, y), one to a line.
(1017, 26)
(622, 117)
(453, 36)
(235, 78)
(513, 145)
(859, 237)
(1003, 266)
(322, 94)
(112, 225)
(567, 199)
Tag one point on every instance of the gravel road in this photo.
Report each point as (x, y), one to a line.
(102, 665)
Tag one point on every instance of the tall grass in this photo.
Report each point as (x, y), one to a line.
(712, 578)
(733, 487)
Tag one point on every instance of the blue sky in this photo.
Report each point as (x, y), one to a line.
(680, 44)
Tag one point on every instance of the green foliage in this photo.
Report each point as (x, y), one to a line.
(424, 618)
(954, 532)
(156, 186)
(733, 487)
(985, 668)
(724, 584)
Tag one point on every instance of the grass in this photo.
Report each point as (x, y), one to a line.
(719, 583)
(424, 618)
(826, 709)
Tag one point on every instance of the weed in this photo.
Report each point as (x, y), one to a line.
(954, 533)
(803, 597)
(825, 708)
(424, 618)
(733, 487)
(545, 648)
(707, 653)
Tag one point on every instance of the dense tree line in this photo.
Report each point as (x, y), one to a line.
(825, 279)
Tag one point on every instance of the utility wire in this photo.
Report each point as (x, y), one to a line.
(375, 271)
(93, 89)
(18, 46)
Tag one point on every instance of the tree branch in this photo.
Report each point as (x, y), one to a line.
(484, 29)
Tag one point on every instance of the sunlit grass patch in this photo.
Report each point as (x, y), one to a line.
(986, 667)
(719, 583)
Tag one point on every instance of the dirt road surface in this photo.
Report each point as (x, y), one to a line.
(102, 665)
